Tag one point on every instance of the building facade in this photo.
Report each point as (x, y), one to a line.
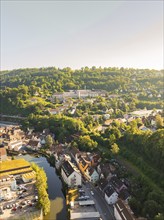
(70, 174)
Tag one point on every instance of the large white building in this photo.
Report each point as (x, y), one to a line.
(70, 174)
(85, 93)
(111, 196)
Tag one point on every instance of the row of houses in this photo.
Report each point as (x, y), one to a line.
(86, 163)
(114, 189)
(78, 164)
(11, 133)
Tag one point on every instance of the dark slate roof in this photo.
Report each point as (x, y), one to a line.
(33, 143)
(103, 183)
(109, 191)
(91, 170)
(67, 168)
(124, 194)
(117, 183)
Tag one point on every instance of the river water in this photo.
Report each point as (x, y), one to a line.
(58, 205)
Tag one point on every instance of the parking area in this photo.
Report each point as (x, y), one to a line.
(22, 200)
(83, 207)
(84, 195)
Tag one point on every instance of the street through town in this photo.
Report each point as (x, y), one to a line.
(106, 211)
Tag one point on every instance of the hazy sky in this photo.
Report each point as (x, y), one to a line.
(82, 33)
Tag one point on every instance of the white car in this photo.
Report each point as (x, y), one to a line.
(92, 193)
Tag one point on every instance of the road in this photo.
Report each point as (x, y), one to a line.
(12, 116)
(106, 211)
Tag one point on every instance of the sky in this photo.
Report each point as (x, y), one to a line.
(82, 33)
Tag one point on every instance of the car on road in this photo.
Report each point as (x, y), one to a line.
(92, 193)
(21, 197)
(81, 190)
(81, 198)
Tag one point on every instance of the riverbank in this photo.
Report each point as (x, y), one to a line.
(58, 209)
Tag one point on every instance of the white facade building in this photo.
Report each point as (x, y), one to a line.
(92, 175)
(16, 145)
(111, 196)
(70, 174)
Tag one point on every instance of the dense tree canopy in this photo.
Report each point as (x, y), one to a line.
(41, 184)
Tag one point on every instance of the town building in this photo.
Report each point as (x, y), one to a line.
(70, 174)
(111, 196)
(124, 195)
(34, 144)
(117, 184)
(15, 145)
(86, 93)
(86, 163)
(92, 175)
(122, 211)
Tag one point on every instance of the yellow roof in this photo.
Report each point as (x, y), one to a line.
(13, 164)
(29, 175)
(14, 172)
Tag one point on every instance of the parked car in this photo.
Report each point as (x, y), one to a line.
(23, 203)
(14, 209)
(82, 193)
(7, 206)
(36, 198)
(19, 192)
(92, 193)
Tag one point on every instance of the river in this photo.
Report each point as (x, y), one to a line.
(58, 205)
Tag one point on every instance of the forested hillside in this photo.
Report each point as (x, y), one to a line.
(19, 86)
(52, 79)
